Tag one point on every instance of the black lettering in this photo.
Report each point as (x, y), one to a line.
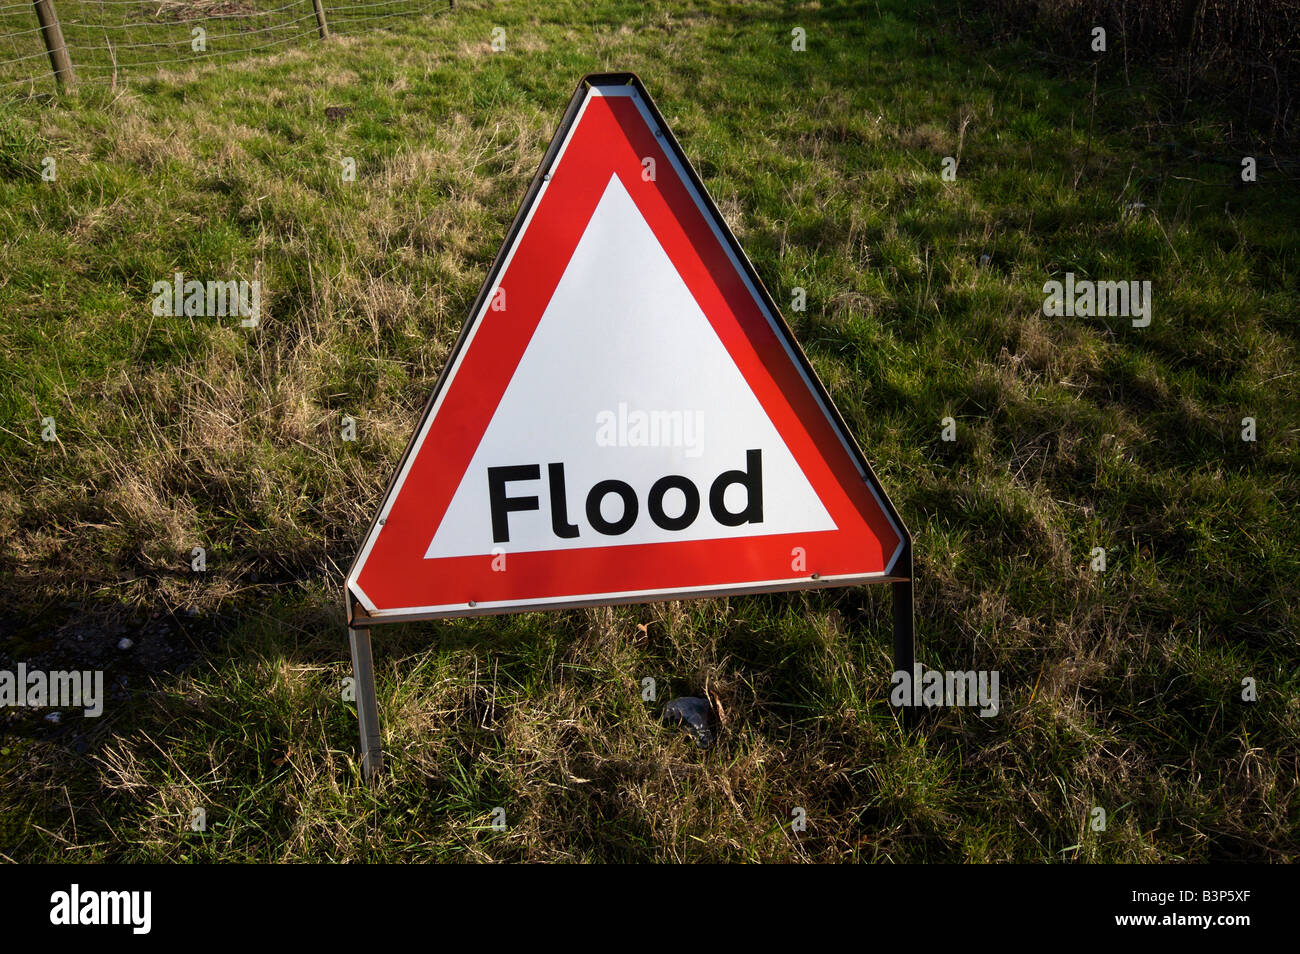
(655, 504)
(751, 478)
(502, 506)
(559, 504)
(598, 493)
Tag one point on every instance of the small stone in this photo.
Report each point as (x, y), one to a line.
(124, 644)
(694, 715)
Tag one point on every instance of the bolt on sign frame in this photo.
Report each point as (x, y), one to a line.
(394, 582)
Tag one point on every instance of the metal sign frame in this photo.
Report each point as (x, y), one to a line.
(898, 572)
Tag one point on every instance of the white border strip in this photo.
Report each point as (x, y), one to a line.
(457, 610)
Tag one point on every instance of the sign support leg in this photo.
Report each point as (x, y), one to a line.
(363, 672)
(905, 629)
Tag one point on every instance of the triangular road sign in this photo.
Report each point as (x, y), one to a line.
(626, 416)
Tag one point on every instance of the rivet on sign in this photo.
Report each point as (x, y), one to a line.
(816, 576)
(472, 603)
(382, 521)
(547, 177)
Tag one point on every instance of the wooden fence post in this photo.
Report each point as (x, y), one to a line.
(53, 36)
(320, 18)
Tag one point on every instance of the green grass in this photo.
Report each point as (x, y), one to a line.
(1119, 690)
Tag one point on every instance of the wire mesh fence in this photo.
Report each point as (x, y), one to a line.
(108, 40)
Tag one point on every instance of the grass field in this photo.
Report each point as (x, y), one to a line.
(1120, 689)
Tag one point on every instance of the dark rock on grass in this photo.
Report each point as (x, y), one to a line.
(694, 715)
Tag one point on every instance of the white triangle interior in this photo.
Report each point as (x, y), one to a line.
(621, 356)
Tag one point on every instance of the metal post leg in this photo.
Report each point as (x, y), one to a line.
(363, 671)
(905, 631)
